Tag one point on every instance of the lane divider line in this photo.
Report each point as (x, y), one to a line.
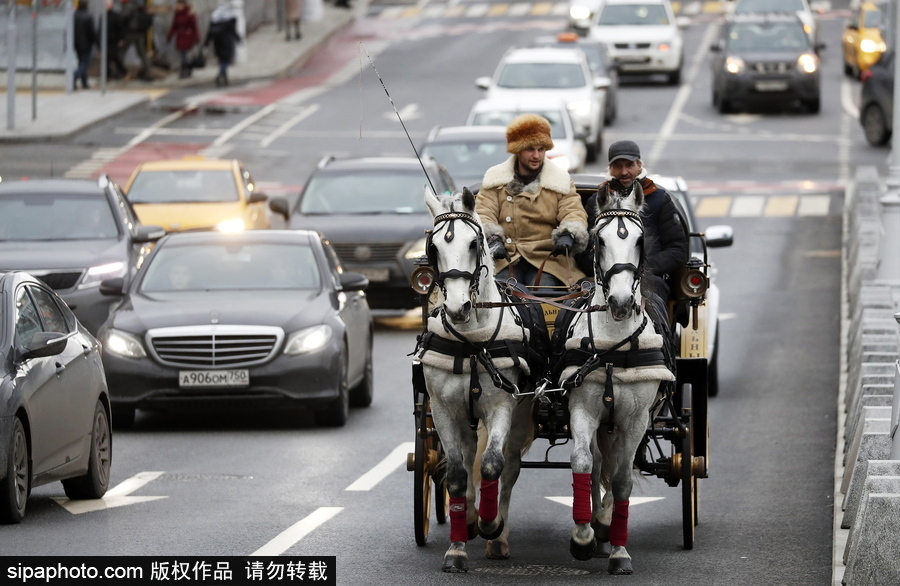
(384, 468)
(287, 538)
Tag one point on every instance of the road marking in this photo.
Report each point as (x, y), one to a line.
(781, 205)
(814, 205)
(407, 112)
(302, 115)
(847, 99)
(243, 124)
(749, 206)
(114, 497)
(713, 207)
(287, 538)
(725, 316)
(384, 468)
(635, 500)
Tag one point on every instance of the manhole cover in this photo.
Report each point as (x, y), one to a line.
(532, 570)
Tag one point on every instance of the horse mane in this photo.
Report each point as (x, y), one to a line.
(609, 199)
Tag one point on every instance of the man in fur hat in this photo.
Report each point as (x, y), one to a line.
(530, 210)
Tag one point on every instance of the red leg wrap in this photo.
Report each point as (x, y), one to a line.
(581, 498)
(487, 507)
(458, 529)
(618, 529)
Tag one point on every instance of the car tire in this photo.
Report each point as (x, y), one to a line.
(336, 413)
(674, 78)
(361, 395)
(94, 483)
(123, 417)
(874, 123)
(813, 106)
(712, 372)
(721, 104)
(15, 486)
(848, 70)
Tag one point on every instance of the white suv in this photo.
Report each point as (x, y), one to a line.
(553, 73)
(643, 36)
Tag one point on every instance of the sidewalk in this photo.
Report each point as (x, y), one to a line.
(60, 114)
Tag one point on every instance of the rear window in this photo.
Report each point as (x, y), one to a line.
(467, 159)
(767, 37)
(206, 186)
(541, 76)
(769, 6)
(388, 191)
(45, 216)
(504, 117)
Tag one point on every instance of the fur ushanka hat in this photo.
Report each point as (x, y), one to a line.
(528, 130)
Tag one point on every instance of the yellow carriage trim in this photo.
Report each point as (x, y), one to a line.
(694, 343)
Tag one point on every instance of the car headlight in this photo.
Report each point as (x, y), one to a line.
(871, 46)
(807, 63)
(308, 340)
(123, 344)
(94, 275)
(580, 108)
(233, 225)
(578, 12)
(417, 250)
(664, 47)
(734, 65)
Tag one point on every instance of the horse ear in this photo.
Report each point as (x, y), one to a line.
(638, 194)
(468, 200)
(432, 203)
(602, 195)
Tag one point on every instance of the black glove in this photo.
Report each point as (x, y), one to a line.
(498, 249)
(564, 245)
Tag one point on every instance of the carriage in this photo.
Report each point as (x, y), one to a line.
(675, 445)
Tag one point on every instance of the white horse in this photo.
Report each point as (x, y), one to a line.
(614, 365)
(471, 375)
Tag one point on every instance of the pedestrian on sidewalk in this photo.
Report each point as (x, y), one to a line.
(137, 22)
(293, 12)
(85, 37)
(223, 35)
(115, 38)
(186, 33)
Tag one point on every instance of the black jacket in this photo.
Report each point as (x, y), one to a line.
(84, 33)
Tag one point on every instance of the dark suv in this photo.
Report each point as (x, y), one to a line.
(373, 212)
(765, 58)
(876, 112)
(71, 234)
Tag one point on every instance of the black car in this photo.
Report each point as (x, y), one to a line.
(765, 59)
(876, 111)
(372, 210)
(255, 319)
(54, 404)
(72, 234)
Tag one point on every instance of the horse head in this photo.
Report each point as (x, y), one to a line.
(618, 238)
(457, 250)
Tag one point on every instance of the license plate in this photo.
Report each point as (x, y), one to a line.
(771, 86)
(633, 59)
(213, 378)
(375, 274)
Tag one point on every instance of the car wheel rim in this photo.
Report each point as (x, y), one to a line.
(20, 459)
(102, 456)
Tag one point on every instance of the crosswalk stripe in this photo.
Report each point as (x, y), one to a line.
(748, 206)
(713, 207)
(498, 9)
(519, 9)
(542, 8)
(814, 205)
(712, 7)
(477, 10)
(756, 206)
(781, 205)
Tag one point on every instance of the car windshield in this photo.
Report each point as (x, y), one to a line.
(215, 185)
(872, 19)
(53, 216)
(387, 191)
(467, 159)
(541, 76)
(633, 14)
(769, 6)
(767, 37)
(231, 266)
(504, 117)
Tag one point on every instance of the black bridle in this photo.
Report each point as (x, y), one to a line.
(603, 220)
(448, 220)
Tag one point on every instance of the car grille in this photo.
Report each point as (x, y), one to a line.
(632, 45)
(351, 253)
(59, 281)
(215, 346)
(769, 67)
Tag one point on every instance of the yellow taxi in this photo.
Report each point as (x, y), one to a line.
(862, 43)
(197, 193)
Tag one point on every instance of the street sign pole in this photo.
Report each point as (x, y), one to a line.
(11, 44)
(34, 58)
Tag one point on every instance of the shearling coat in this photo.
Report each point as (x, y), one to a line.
(531, 218)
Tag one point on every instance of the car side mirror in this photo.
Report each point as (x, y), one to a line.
(715, 47)
(149, 234)
(483, 83)
(682, 21)
(280, 206)
(820, 47)
(719, 236)
(113, 287)
(257, 197)
(44, 344)
(351, 281)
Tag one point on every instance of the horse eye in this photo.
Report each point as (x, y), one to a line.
(473, 246)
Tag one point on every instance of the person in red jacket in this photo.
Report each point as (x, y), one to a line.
(186, 33)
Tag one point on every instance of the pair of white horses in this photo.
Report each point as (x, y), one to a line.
(607, 421)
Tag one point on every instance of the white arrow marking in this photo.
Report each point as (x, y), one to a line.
(297, 531)
(724, 316)
(381, 470)
(114, 497)
(635, 500)
(408, 112)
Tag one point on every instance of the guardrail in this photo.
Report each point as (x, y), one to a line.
(871, 408)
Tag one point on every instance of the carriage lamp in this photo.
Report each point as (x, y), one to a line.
(421, 279)
(694, 283)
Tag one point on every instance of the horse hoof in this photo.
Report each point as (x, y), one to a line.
(492, 534)
(455, 561)
(603, 549)
(620, 566)
(582, 551)
(473, 530)
(497, 550)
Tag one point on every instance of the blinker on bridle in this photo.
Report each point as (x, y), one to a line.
(450, 218)
(603, 220)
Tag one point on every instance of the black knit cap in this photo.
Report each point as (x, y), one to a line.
(624, 149)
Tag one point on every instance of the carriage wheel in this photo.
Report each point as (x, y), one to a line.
(689, 482)
(422, 490)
